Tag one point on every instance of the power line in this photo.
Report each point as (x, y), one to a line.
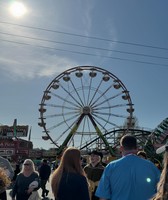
(90, 47)
(89, 37)
(88, 54)
(84, 46)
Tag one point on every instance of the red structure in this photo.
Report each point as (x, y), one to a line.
(15, 149)
(11, 145)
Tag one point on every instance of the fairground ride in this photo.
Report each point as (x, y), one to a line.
(82, 106)
(89, 107)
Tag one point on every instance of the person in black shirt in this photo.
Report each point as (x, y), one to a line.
(94, 171)
(44, 173)
(69, 180)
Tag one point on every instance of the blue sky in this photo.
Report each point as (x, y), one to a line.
(114, 31)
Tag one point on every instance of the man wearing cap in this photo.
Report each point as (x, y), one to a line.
(94, 171)
(130, 177)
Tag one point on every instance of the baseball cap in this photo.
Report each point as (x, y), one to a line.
(95, 152)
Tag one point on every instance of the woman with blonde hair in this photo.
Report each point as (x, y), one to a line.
(4, 183)
(69, 180)
(26, 182)
(162, 187)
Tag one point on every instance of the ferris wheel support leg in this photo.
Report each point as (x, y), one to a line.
(101, 135)
(72, 132)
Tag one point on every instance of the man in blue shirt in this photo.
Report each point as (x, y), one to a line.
(130, 177)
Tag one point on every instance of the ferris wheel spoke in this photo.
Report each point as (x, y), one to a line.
(106, 100)
(83, 93)
(71, 141)
(90, 83)
(102, 94)
(96, 91)
(88, 124)
(69, 93)
(63, 133)
(110, 114)
(108, 107)
(88, 143)
(102, 127)
(96, 117)
(60, 114)
(90, 130)
(77, 93)
(86, 131)
(62, 122)
(65, 100)
(83, 130)
(115, 125)
(60, 106)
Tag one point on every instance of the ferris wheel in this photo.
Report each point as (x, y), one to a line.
(81, 104)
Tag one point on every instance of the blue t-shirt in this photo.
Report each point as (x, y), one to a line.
(129, 178)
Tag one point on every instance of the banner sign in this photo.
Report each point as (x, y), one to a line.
(8, 131)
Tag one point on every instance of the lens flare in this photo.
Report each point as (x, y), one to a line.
(148, 180)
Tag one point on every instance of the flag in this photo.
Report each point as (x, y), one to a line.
(15, 128)
(30, 134)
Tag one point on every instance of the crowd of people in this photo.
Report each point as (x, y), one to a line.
(131, 177)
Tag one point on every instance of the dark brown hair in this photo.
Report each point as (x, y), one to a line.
(70, 162)
(128, 142)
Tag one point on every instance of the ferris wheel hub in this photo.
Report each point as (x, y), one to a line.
(86, 110)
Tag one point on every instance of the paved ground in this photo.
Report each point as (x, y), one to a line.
(49, 197)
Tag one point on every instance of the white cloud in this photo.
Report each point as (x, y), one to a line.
(87, 17)
(21, 63)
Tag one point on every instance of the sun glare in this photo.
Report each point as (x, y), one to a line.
(17, 9)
